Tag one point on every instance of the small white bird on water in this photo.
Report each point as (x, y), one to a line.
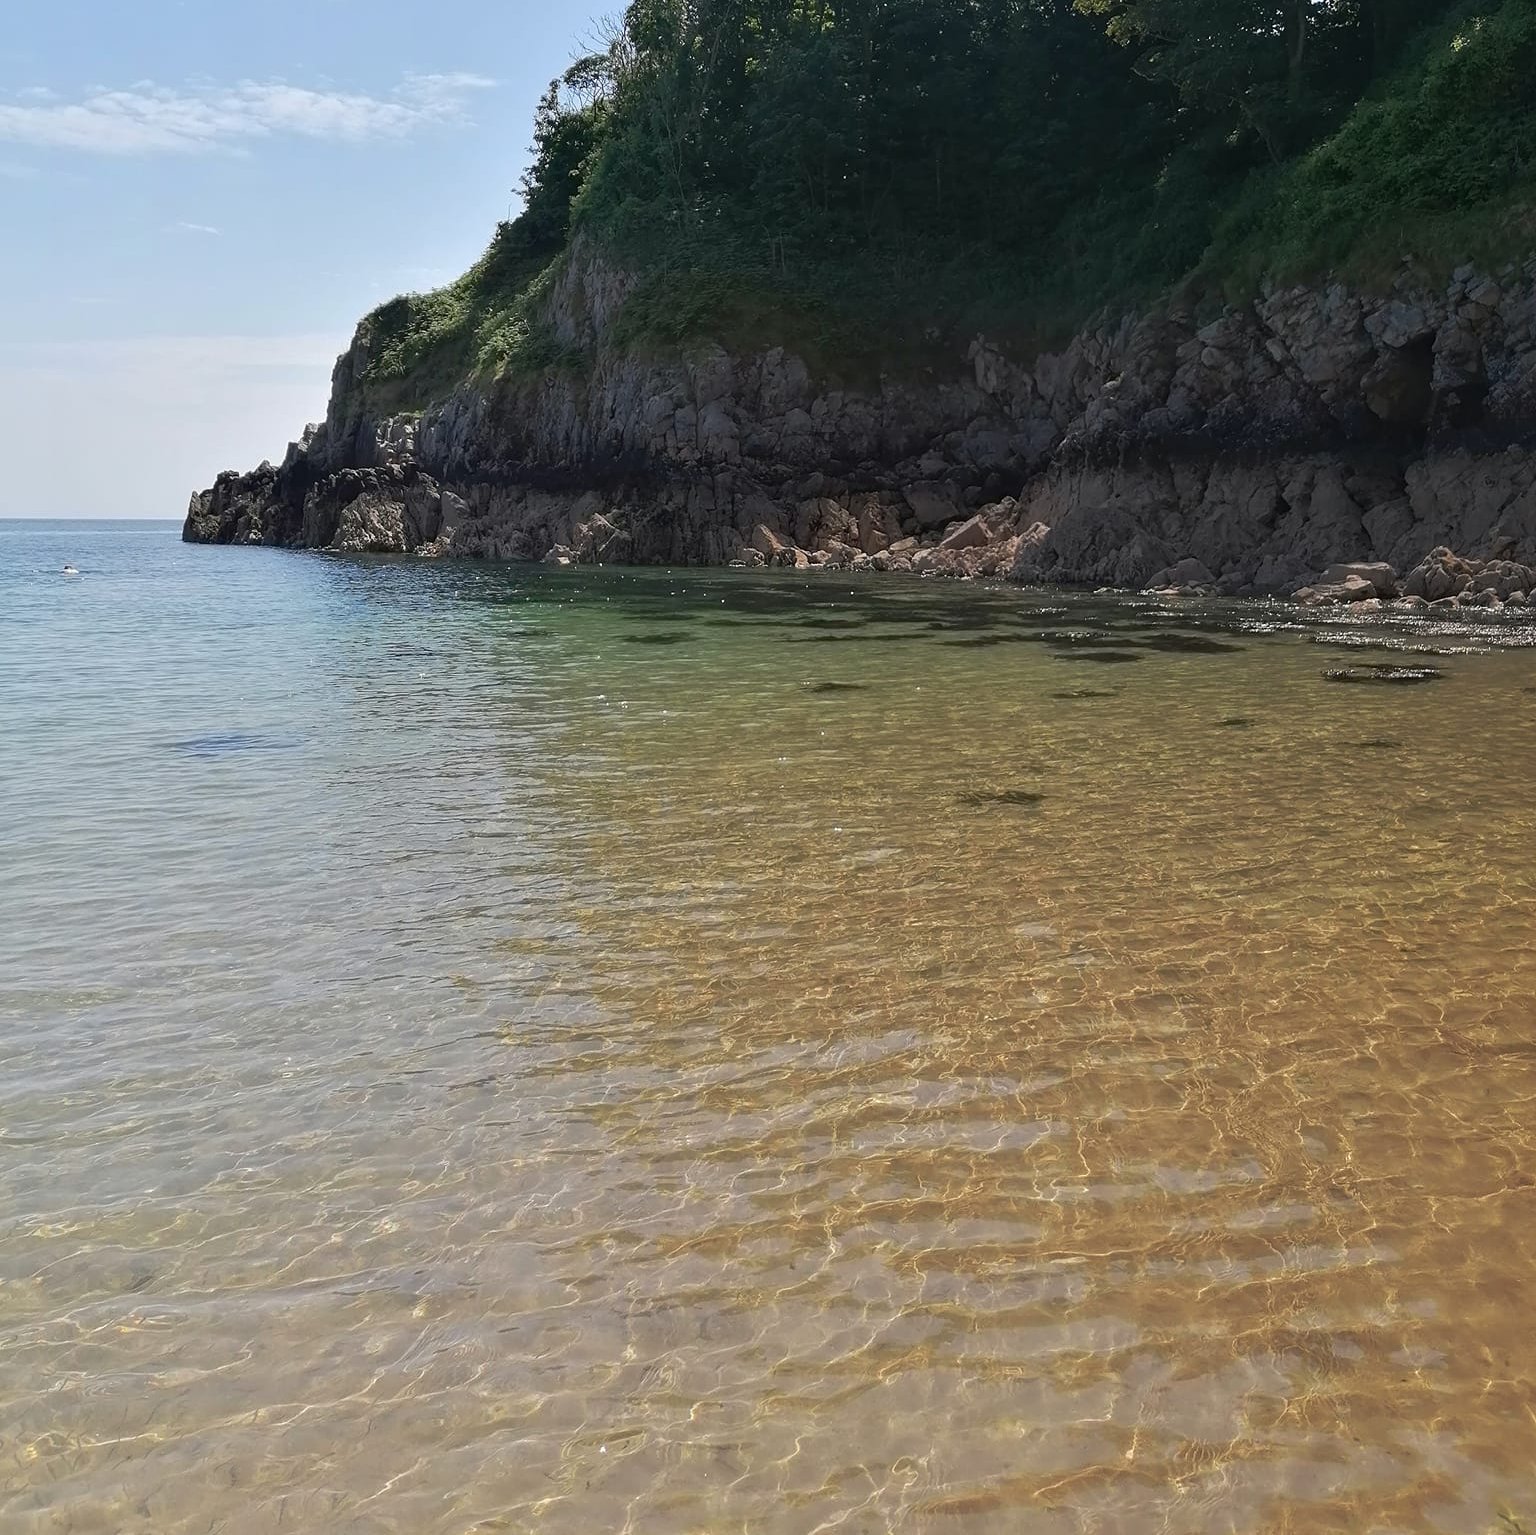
(69, 570)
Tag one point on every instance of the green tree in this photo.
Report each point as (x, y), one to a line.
(568, 126)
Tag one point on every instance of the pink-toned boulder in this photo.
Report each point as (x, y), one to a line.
(971, 534)
(768, 543)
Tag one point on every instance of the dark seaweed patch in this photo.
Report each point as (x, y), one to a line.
(964, 621)
(1235, 722)
(1102, 657)
(1188, 644)
(978, 799)
(1379, 744)
(843, 639)
(1383, 675)
(985, 641)
(837, 687)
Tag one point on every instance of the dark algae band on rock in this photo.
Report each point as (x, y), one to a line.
(1274, 312)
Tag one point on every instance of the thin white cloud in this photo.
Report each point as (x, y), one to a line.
(196, 229)
(153, 119)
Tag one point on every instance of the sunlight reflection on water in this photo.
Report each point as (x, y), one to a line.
(461, 1070)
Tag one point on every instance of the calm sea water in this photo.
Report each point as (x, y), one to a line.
(489, 1049)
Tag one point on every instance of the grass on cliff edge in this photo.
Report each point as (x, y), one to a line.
(1437, 166)
(491, 320)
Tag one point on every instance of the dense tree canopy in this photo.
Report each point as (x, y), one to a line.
(871, 171)
(827, 124)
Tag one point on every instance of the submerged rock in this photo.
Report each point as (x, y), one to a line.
(1383, 675)
(977, 798)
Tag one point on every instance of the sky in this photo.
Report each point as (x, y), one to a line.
(199, 199)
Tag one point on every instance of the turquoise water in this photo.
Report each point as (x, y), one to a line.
(487, 1048)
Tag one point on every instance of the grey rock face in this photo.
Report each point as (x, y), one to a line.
(1313, 427)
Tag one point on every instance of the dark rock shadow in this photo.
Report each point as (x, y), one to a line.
(977, 799)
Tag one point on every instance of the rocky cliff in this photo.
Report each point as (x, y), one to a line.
(1262, 442)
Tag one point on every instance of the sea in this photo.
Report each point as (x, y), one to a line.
(675, 1052)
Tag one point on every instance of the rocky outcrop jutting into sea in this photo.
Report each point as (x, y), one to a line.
(1314, 426)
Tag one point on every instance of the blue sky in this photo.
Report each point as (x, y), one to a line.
(200, 198)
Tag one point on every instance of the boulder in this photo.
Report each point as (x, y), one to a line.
(1382, 577)
(599, 542)
(768, 543)
(1444, 574)
(970, 534)
(1184, 573)
(1350, 589)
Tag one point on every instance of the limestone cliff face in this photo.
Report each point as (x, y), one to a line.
(1268, 441)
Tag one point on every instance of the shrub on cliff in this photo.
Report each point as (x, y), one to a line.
(1434, 164)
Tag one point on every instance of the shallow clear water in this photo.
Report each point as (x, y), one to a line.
(498, 1049)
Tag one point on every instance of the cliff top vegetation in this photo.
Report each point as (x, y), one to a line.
(864, 179)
